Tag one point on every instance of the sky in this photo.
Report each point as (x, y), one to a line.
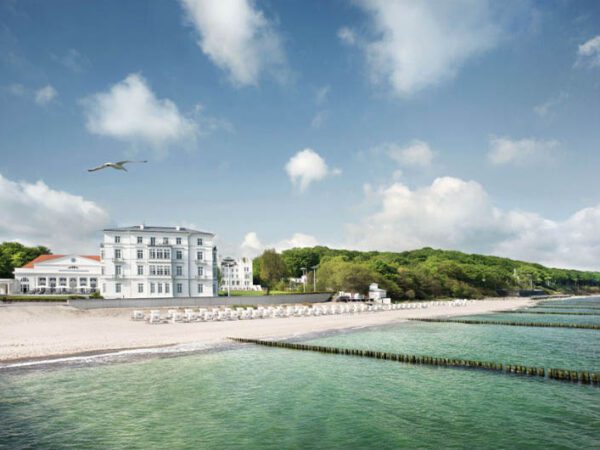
(369, 124)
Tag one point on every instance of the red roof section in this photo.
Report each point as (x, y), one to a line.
(43, 258)
(40, 259)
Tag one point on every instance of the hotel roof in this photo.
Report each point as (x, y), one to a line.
(158, 229)
(43, 258)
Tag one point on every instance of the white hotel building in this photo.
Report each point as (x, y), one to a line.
(146, 261)
(238, 276)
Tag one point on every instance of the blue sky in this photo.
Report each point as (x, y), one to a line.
(362, 124)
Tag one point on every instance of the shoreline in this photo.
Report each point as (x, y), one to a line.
(40, 334)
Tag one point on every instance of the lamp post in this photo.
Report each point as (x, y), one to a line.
(314, 268)
(304, 272)
(228, 262)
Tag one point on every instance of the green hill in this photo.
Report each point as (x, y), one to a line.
(427, 273)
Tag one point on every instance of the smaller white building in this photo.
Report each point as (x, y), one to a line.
(237, 276)
(59, 274)
(376, 293)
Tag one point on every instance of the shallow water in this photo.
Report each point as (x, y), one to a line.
(254, 397)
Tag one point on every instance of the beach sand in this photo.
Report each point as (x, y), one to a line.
(29, 332)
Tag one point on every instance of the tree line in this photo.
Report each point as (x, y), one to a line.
(14, 254)
(418, 274)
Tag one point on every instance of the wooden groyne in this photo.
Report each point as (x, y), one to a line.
(565, 307)
(584, 377)
(570, 313)
(581, 326)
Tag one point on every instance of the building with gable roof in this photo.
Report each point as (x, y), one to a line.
(59, 274)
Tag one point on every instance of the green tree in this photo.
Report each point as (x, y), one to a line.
(14, 254)
(272, 268)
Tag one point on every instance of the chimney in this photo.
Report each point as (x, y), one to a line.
(178, 228)
(141, 226)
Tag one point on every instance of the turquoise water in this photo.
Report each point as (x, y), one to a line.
(251, 397)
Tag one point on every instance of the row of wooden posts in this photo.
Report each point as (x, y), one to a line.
(570, 313)
(584, 377)
(565, 307)
(515, 324)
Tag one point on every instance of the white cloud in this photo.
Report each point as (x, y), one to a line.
(419, 44)
(544, 109)
(346, 35)
(416, 154)
(322, 94)
(588, 53)
(35, 214)
(252, 245)
(455, 214)
(130, 111)
(521, 152)
(319, 119)
(45, 95)
(306, 167)
(72, 60)
(237, 37)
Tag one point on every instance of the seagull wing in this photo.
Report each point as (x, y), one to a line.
(103, 166)
(120, 163)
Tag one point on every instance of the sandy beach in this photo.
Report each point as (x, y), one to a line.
(36, 331)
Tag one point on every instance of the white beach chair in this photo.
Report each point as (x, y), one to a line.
(137, 315)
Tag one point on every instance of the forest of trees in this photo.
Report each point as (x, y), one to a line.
(418, 274)
(14, 254)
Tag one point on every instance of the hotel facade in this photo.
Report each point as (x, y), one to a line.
(58, 274)
(147, 261)
(237, 276)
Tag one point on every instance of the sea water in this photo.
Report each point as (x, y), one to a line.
(251, 397)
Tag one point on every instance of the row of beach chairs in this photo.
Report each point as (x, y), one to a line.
(189, 315)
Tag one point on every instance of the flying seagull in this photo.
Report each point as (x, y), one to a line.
(119, 165)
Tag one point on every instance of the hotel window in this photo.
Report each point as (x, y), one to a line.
(179, 254)
(167, 253)
(118, 253)
(62, 281)
(140, 240)
(168, 270)
(117, 239)
(140, 254)
(52, 282)
(200, 288)
(167, 288)
(200, 256)
(166, 241)
(102, 270)
(199, 241)
(93, 282)
(152, 270)
(83, 282)
(118, 270)
(118, 288)
(200, 271)
(42, 281)
(178, 241)
(179, 288)
(152, 288)
(102, 254)
(152, 241)
(179, 271)
(159, 288)
(140, 270)
(140, 288)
